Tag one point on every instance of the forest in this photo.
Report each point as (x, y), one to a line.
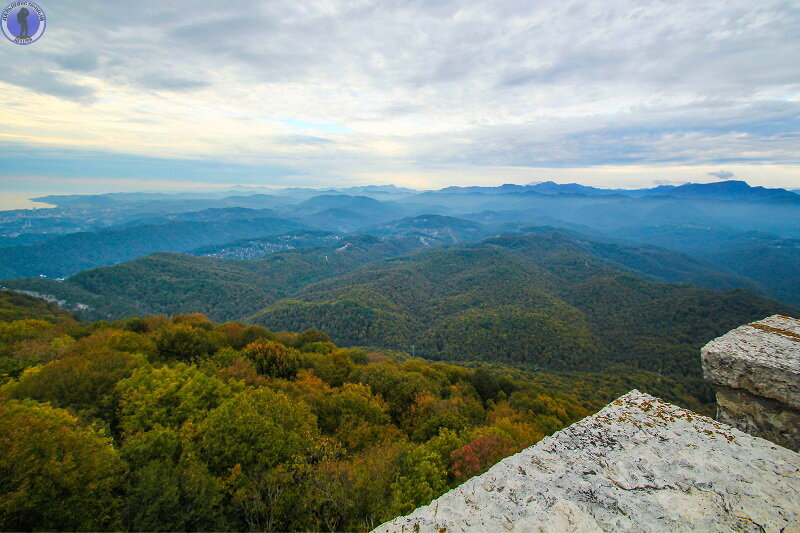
(178, 424)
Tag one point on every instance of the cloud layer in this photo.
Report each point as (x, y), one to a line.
(422, 90)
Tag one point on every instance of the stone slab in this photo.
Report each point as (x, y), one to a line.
(762, 358)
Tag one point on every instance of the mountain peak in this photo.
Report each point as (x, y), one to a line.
(728, 189)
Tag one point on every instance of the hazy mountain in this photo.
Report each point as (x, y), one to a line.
(363, 205)
(341, 212)
(30, 241)
(551, 187)
(24, 239)
(769, 260)
(156, 202)
(730, 189)
(64, 255)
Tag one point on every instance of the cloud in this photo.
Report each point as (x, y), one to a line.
(79, 61)
(170, 83)
(45, 81)
(722, 174)
(343, 87)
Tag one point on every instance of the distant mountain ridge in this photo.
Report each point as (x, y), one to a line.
(729, 189)
(259, 197)
(61, 241)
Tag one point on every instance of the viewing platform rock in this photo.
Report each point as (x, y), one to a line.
(756, 371)
(639, 464)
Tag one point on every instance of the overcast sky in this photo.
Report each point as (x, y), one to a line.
(166, 95)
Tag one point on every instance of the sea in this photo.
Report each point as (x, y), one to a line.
(11, 200)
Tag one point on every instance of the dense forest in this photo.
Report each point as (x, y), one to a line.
(172, 424)
(534, 299)
(549, 299)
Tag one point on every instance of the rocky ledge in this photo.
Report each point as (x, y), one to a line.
(756, 371)
(762, 358)
(640, 464)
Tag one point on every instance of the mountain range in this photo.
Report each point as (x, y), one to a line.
(548, 276)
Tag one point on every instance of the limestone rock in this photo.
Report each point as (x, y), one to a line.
(640, 464)
(762, 358)
(756, 370)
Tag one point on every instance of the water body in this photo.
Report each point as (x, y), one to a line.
(10, 200)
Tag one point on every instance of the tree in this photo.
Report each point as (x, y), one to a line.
(261, 442)
(257, 429)
(55, 474)
(423, 477)
(237, 335)
(25, 329)
(196, 320)
(131, 342)
(167, 488)
(168, 397)
(480, 454)
(354, 402)
(183, 343)
(83, 383)
(443, 445)
(273, 359)
(398, 387)
(311, 335)
(167, 496)
(489, 384)
(352, 494)
(25, 354)
(333, 368)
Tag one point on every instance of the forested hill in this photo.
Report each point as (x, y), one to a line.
(222, 288)
(531, 299)
(17, 306)
(548, 298)
(229, 289)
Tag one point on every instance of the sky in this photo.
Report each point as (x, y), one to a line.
(154, 95)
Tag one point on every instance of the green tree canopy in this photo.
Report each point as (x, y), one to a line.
(257, 429)
(183, 342)
(168, 397)
(55, 474)
(272, 358)
(83, 383)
